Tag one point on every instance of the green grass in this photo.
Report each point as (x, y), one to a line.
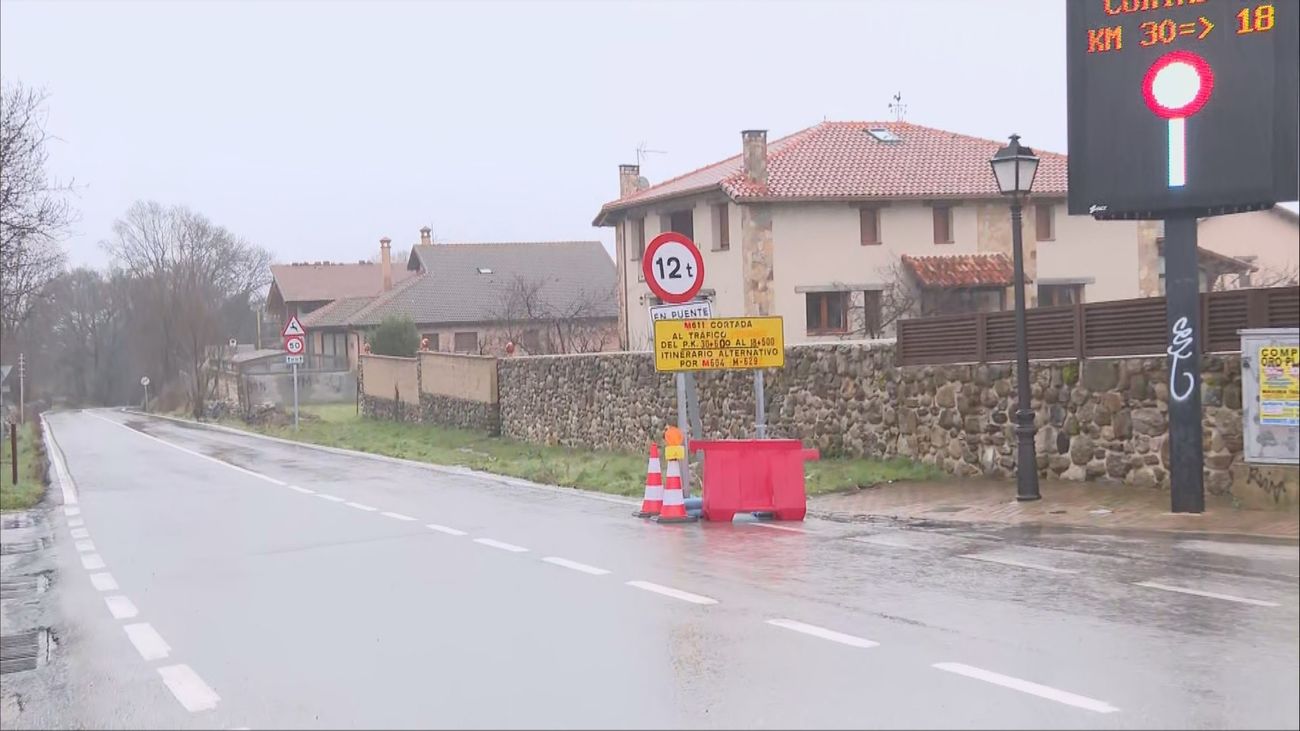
(31, 471)
(619, 473)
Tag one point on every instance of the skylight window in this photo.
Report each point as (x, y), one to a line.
(484, 270)
(883, 134)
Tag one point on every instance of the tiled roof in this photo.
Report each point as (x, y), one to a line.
(338, 312)
(962, 270)
(842, 160)
(316, 282)
(473, 283)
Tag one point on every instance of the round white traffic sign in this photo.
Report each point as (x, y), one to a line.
(294, 345)
(673, 267)
(144, 380)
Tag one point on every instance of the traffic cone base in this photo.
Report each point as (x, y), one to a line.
(674, 507)
(654, 489)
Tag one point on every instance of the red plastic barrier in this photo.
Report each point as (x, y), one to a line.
(754, 475)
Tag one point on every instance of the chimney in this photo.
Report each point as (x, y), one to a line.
(386, 261)
(627, 177)
(426, 236)
(754, 146)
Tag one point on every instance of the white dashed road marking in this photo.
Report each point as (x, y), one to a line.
(501, 545)
(1210, 594)
(189, 688)
(121, 607)
(192, 453)
(103, 582)
(302, 490)
(147, 641)
(396, 516)
(822, 632)
(685, 596)
(84, 546)
(360, 506)
(76, 522)
(71, 510)
(566, 563)
(79, 533)
(331, 498)
(1024, 686)
(1019, 564)
(92, 561)
(445, 529)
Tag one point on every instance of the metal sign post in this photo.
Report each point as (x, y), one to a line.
(1182, 317)
(295, 397)
(144, 381)
(760, 406)
(295, 344)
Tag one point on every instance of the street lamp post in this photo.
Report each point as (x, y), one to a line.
(1014, 167)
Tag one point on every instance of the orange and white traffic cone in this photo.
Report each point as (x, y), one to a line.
(674, 507)
(654, 486)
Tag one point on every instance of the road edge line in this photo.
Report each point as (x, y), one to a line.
(54, 453)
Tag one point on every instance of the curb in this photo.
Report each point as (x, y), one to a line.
(443, 469)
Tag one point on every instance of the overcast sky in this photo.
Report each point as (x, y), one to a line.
(315, 128)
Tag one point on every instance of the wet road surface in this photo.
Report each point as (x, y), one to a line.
(219, 580)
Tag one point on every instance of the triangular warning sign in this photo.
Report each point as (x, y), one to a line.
(292, 327)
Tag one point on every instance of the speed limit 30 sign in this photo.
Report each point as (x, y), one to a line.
(673, 267)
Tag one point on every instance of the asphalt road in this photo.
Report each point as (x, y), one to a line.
(220, 580)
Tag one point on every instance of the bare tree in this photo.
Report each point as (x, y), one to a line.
(1282, 275)
(34, 210)
(582, 324)
(191, 269)
(873, 313)
(530, 313)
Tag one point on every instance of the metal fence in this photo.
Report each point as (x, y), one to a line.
(1096, 329)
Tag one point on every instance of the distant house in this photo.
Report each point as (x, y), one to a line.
(303, 287)
(1269, 241)
(543, 297)
(844, 227)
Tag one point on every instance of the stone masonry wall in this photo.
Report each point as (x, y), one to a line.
(1106, 420)
(461, 413)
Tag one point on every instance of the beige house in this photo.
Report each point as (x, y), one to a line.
(1267, 240)
(843, 227)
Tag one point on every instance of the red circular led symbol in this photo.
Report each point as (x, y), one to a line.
(1177, 85)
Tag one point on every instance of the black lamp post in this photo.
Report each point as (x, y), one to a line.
(1013, 168)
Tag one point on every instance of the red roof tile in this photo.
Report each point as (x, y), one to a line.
(842, 160)
(962, 270)
(316, 282)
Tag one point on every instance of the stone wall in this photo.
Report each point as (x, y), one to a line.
(1104, 420)
(461, 413)
(430, 377)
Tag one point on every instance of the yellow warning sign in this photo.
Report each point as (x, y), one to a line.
(719, 343)
(1279, 385)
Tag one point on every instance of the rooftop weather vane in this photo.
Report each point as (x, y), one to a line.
(898, 107)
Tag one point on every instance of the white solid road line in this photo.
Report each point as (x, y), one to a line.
(92, 561)
(1019, 564)
(1024, 686)
(584, 568)
(331, 498)
(79, 533)
(501, 544)
(396, 516)
(822, 632)
(1210, 594)
(84, 546)
(302, 490)
(360, 506)
(103, 582)
(191, 452)
(189, 688)
(71, 510)
(76, 522)
(121, 607)
(445, 529)
(685, 596)
(147, 641)
(61, 474)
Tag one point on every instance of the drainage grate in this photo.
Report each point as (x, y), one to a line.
(22, 520)
(22, 651)
(22, 586)
(19, 547)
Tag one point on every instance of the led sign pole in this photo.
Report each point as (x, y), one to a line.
(1175, 87)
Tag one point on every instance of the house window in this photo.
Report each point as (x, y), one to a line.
(826, 312)
(683, 222)
(333, 343)
(942, 224)
(433, 341)
(942, 301)
(636, 243)
(465, 342)
(869, 224)
(722, 226)
(872, 315)
(1044, 222)
(1053, 295)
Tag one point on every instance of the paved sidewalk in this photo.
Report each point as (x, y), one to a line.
(1090, 505)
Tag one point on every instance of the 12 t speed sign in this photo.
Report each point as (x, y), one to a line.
(673, 267)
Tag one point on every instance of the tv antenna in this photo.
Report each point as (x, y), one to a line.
(642, 151)
(898, 107)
